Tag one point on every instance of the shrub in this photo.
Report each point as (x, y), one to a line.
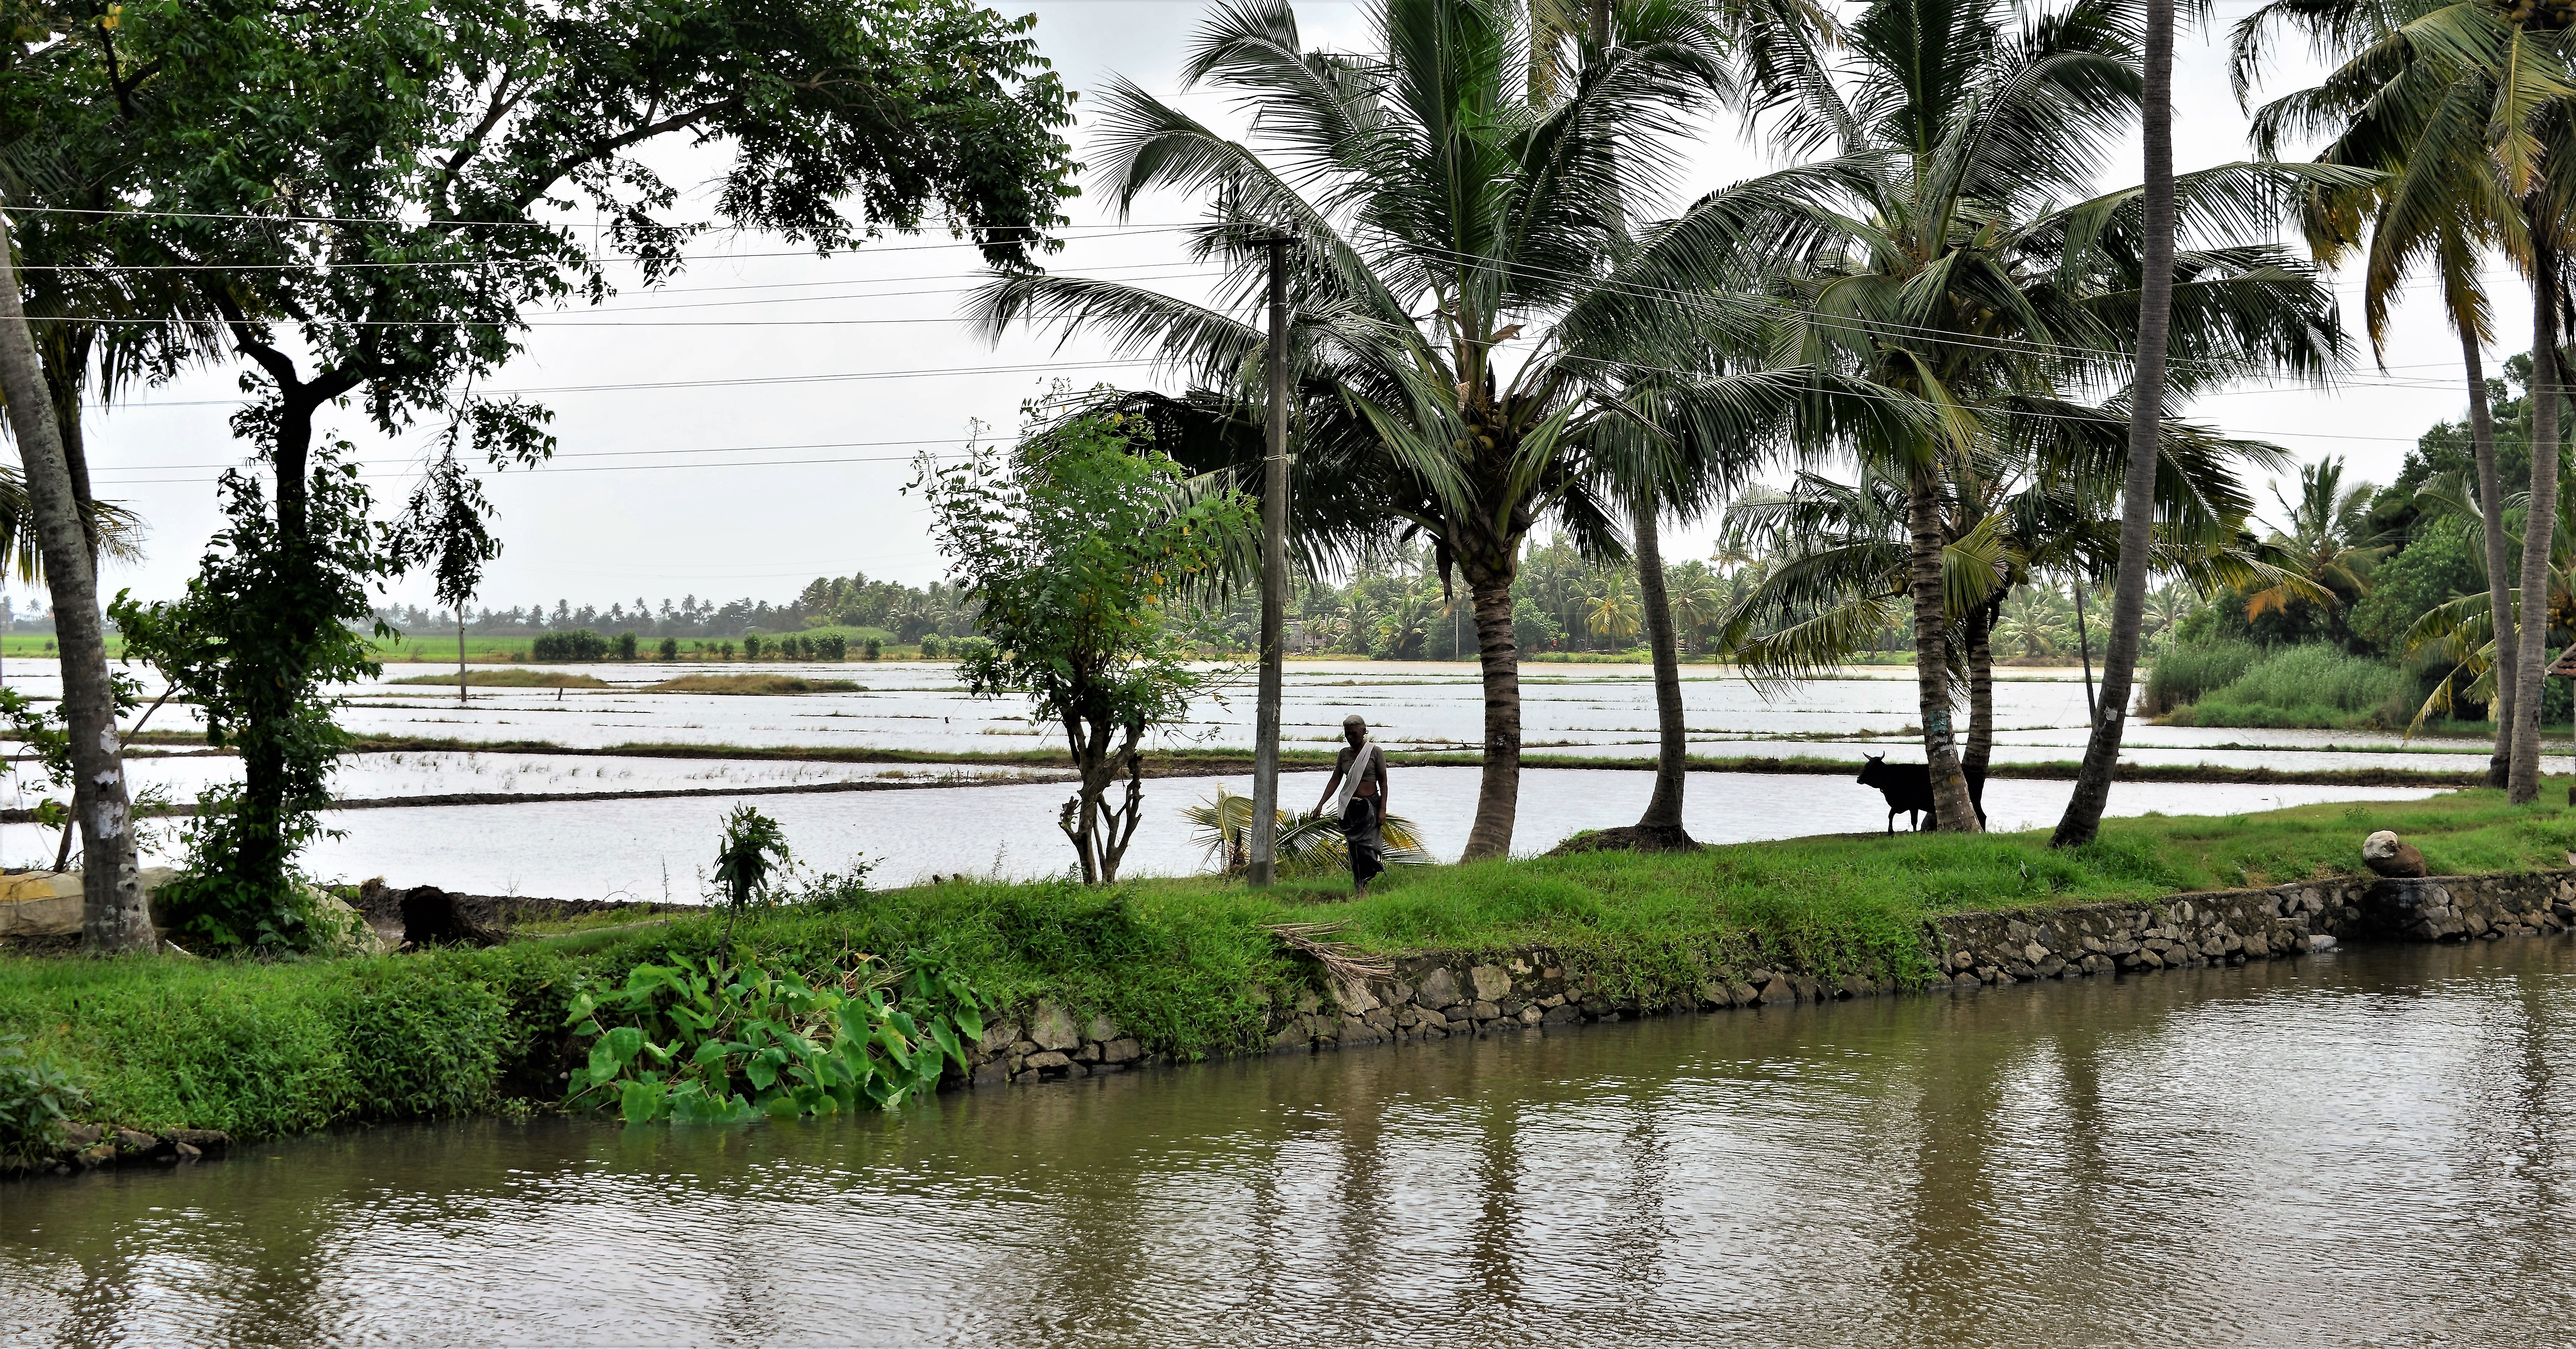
(931, 647)
(580, 644)
(37, 1098)
(626, 646)
(874, 649)
(751, 646)
(670, 648)
(835, 647)
(790, 1047)
(2186, 674)
(724, 650)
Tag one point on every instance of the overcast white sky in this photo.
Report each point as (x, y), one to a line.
(690, 478)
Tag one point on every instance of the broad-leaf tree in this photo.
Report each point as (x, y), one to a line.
(368, 194)
(1081, 548)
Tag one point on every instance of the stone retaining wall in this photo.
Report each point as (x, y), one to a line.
(1438, 995)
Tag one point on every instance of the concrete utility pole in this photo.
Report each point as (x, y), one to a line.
(460, 655)
(1263, 847)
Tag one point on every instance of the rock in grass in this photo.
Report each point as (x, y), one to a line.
(2389, 855)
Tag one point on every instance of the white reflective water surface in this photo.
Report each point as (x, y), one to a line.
(653, 848)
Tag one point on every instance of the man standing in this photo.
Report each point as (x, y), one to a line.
(1359, 773)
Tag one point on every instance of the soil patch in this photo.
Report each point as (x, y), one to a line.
(426, 915)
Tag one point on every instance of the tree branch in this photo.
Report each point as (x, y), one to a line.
(503, 100)
(602, 149)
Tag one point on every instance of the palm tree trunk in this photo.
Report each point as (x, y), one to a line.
(114, 916)
(1498, 794)
(66, 386)
(1663, 818)
(2499, 579)
(1981, 692)
(1951, 809)
(2540, 522)
(2083, 817)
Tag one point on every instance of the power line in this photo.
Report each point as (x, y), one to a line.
(744, 381)
(604, 468)
(610, 454)
(1093, 232)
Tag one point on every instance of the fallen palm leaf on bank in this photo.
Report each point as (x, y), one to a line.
(1344, 963)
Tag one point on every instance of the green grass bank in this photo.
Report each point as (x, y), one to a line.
(260, 1049)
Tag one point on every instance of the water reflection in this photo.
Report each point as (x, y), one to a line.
(2370, 1148)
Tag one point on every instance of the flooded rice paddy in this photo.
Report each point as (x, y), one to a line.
(2369, 1148)
(653, 848)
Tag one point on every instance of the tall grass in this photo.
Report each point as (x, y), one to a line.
(2185, 675)
(2311, 685)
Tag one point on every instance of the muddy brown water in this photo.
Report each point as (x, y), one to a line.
(2375, 1147)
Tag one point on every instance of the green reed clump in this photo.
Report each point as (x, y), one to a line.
(2185, 675)
(2309, 685)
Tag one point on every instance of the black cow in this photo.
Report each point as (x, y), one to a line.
(1908, 787)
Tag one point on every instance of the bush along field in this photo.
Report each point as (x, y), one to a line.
(2382, 621)
(842, 998)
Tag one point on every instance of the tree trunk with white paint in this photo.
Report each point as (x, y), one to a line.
(114, 915)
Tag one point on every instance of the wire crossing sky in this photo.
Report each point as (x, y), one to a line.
(753, 423)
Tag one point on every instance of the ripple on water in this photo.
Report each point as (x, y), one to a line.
(2368, 1148)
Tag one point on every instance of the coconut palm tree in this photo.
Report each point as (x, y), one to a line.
(1612, 609)
(2435, 209)
(2082, 818)
(117, 530)
(1464, 325)
(1404, 626)
(1932, 259)
(1697, 598)
(2469, 107)
(2168, 606)
(2323, 538)
(1842, 550)
(2033, 621)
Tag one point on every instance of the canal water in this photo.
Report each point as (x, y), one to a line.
(2373, 1147)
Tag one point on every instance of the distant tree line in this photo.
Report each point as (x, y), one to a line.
(909, 613)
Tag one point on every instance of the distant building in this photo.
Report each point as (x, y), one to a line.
(1297, 641)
